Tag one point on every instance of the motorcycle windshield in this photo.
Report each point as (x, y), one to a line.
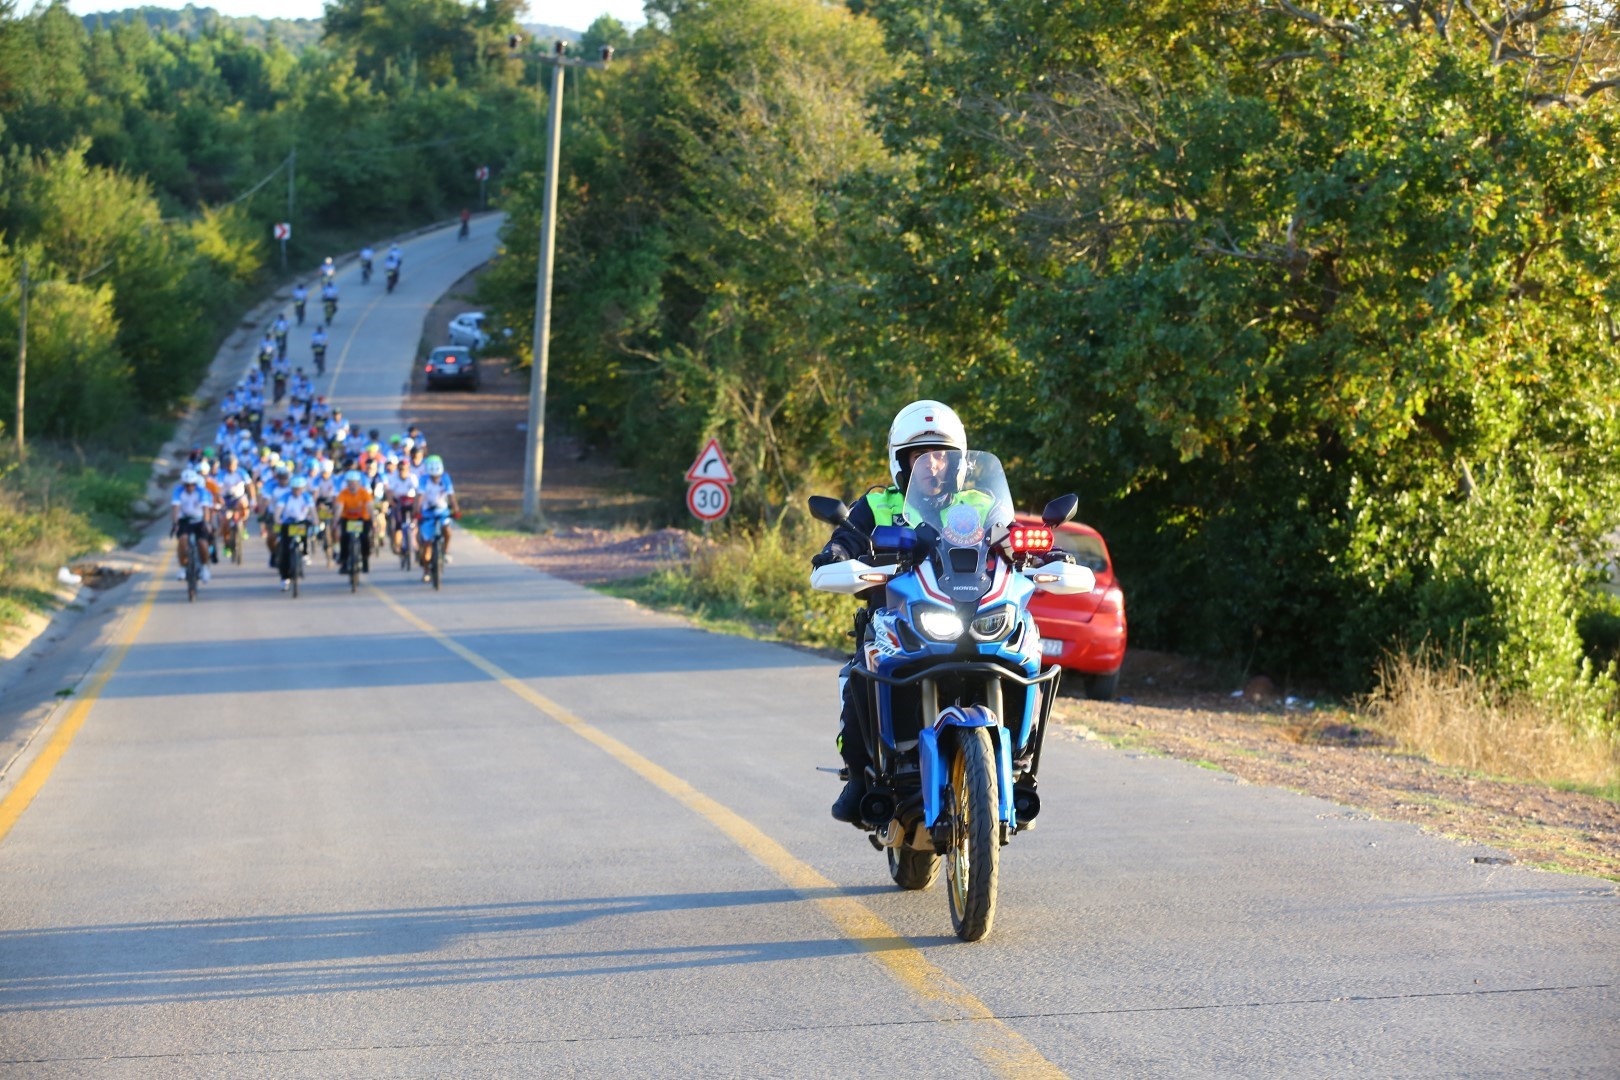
(961, 493)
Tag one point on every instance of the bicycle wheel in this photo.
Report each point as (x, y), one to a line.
(438, 554)
(405, 546)
(191, 569)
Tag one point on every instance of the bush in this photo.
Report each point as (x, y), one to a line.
(1442, 709)
(761, 579)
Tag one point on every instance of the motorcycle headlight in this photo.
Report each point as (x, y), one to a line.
(994, 626)
(940, 625)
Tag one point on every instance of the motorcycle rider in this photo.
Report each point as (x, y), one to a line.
(918, 428)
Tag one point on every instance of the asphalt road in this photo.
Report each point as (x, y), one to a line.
(515, 828)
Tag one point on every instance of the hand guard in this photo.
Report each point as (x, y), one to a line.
(831, 554)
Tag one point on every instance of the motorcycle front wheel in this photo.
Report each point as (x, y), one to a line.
(973, 862)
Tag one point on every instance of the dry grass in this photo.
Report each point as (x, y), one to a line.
(1440, 709)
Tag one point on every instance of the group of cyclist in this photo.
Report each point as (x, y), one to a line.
(304, 472)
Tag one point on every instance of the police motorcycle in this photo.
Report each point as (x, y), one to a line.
(957, 704)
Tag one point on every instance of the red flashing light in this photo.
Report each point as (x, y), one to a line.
(1028, 538)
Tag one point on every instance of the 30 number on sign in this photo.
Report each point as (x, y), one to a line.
(708, 500)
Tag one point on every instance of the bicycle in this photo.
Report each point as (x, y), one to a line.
(294, 536)
(407, 534)
(330, 307)
(230, 534)
(435, 550)
(323, 513)
(192, 562)
(354, 531)
(320, 358)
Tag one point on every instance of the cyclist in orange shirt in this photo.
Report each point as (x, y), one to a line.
(354, 504)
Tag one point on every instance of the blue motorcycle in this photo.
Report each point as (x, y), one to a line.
(957, 702)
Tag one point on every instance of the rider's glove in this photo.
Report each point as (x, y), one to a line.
(832, 554)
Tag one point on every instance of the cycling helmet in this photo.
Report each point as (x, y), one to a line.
(435, 465)
(353, 478)
(327, 466)
(189, 477)
(203, 468)
(374, 435)
(922, 425)
(299, 483)
(393, 440)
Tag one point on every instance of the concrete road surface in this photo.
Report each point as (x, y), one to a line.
(513, 828)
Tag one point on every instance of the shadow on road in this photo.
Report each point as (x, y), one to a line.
(348, 952)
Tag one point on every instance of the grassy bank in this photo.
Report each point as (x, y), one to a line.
(57, 507)
(751, 583)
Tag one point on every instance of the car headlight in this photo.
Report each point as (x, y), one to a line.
(940, 625)
(994, 626)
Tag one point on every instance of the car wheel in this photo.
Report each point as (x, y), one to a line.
(1102, 687)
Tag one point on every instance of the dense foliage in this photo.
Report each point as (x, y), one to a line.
(1313, 306)
(141, 169)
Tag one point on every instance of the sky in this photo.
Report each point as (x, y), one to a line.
(569, 14)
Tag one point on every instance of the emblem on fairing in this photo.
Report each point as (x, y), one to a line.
(962, 526)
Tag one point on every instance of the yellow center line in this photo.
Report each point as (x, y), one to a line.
(39, 771)
(997, 1044)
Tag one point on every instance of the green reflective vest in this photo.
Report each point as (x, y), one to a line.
(886, 505)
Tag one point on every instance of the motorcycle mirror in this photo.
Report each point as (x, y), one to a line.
(828, 509)
(1060, 510)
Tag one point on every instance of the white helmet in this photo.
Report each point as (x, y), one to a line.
(922, 425)
(190, 477)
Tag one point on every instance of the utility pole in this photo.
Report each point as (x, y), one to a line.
(22, 361)
(534, 457)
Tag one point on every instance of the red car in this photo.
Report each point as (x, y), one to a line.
(1084, 633)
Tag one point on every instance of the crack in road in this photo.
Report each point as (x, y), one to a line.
(791, 1029)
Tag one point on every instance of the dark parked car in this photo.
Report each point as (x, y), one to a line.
(1084, 633)
(451, 365)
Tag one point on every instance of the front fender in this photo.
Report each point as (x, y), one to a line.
(933, 744)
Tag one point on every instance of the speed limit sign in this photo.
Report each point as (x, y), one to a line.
(708, 500)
